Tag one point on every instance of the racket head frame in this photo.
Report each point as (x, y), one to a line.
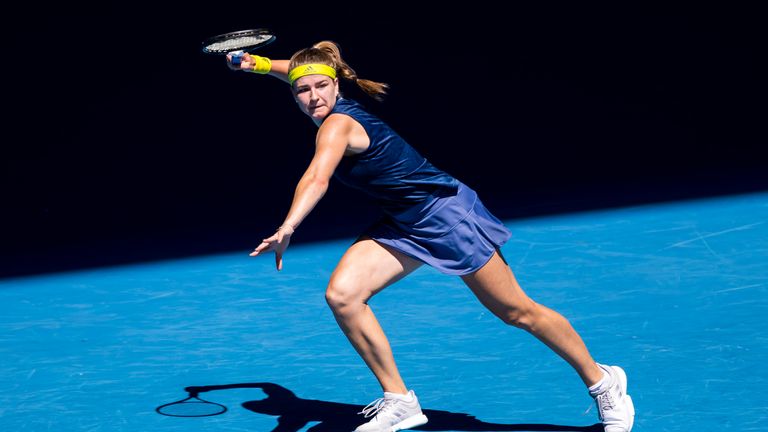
(209, 47)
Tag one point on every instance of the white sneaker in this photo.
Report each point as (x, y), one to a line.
(392, 413)
(614, 405)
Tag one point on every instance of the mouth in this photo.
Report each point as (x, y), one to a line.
(315, 108)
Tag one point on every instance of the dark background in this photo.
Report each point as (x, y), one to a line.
(123, 142)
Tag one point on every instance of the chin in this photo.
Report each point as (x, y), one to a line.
(319, 114)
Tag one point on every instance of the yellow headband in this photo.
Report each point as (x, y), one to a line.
(311, 69)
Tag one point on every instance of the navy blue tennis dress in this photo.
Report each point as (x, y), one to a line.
(429, 215)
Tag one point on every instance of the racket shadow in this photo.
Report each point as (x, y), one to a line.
(294, 413)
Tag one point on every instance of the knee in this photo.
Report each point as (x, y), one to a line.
(523, 316)
(342, 295)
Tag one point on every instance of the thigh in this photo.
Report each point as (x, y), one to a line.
(368, 267)
(496, 286)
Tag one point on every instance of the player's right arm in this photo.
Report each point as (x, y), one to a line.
(278, 70)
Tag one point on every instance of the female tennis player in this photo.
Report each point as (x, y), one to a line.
(431, 218)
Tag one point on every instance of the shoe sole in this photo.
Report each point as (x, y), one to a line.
(410, 422)
(627, 399)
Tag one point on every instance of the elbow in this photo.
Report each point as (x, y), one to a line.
(319, 183)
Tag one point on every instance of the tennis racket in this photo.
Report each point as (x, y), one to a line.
(238, 43)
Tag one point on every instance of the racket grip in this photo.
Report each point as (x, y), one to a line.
(237, 57)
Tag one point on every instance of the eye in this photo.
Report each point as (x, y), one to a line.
(302, 90)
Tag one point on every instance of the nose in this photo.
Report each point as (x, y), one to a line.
(313, 95)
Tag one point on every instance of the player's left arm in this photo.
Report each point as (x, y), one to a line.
(331, 143)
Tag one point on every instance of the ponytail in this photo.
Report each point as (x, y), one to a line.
(329, 53)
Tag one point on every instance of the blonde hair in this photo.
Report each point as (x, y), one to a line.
(329, 53)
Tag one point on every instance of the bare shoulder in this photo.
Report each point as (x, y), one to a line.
(337, 124)
(343, 128)
(336, 127)
(333, 134)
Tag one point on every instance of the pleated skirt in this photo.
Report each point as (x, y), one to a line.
(456, 234)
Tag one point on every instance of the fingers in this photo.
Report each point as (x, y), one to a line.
(265, 245)
(239, 66)
(261, 248)
(277, 243)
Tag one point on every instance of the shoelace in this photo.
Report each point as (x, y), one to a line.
(605, 402)
(374, 407)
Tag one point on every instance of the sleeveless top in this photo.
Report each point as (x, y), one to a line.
(430, 215)
(390, 171)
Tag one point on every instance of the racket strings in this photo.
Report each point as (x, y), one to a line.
(237, 43)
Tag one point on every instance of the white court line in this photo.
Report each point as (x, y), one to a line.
(738, 288)
(700, 237)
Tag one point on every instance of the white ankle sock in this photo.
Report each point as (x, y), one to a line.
(403, 397)
(602, 385)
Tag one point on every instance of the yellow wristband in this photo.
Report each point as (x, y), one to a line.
(261, 65)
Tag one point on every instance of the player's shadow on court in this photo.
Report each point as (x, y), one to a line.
(294, 413)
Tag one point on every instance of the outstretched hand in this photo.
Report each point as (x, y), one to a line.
(278, 243)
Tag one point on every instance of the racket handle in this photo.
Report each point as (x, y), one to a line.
(237, 57)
